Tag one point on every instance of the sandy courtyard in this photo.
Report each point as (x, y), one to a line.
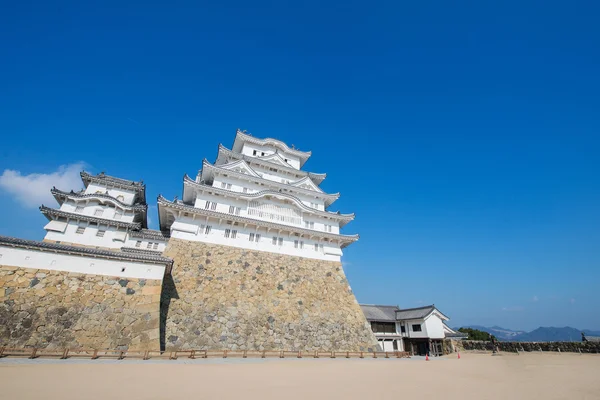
(474, 376)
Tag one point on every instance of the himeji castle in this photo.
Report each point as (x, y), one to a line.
(256, 196)
(247, 259)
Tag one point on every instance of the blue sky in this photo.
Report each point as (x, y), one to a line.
(465, 136)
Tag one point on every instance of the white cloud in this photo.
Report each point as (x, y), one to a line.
(33, 190)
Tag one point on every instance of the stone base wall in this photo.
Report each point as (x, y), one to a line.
(54, 309)
(575, 347)
(223, 297)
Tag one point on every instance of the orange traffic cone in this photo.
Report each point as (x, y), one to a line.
(459, 355)
(426, 357)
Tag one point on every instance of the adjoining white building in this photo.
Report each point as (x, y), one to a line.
(415, 330)
(255, 196)
(100, 230)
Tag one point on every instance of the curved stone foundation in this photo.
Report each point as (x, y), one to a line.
(223, 297)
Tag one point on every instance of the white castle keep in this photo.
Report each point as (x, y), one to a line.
(255, 196)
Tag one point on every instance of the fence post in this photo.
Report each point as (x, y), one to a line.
(347, 354)
(263, 354)
(205, 353)
(146, 355)
(281, 354)
(121, 355)
(332, 354)
(2, 351)
(316, 354)
(33, 353)
(386, 355)
(95, 355)
(193, 355)
(361, 355)
(245, 354)
(224, 353)
(65, 354)
(299, 354)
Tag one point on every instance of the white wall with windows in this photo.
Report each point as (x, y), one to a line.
(252, 238)
(125, 196)
(97, 208)
(254, 150)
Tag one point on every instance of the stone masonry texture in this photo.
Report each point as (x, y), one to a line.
(574, 347)
(54, 309)
(222, 297)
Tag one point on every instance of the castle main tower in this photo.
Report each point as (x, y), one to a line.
(257, 257)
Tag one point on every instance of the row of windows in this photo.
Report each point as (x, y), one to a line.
(390, 327)
(81, 229)
(150, 245)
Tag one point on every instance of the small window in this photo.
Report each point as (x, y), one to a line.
(80, 230)
(227, 232)
(257, 238)
(262, 153)
(237, 211)
(100, 233)
(281, 241)
(301, 244)
(207, 230)
(155, 246)
(416, 328)
(207, 205)
(402, 329)
(251, 237)
(295, 244)
(118, 214)
(213, 206)
(223, 185)
(233, 234)
(231, 209)
(98, 213)
(138, 243)
(312, 225)
(254, 153)
(245, 190)
(321, 248)
(285, 159)
(149, 246)
(316, 247)
(274, 240)
(79, 209)
(229, 186)
(120, 198)
(329, 228)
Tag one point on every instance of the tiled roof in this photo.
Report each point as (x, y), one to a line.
(150, 234)
(379, 313)
(51, 212)
(414, 313)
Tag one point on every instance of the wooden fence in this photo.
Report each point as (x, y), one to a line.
(63, 354)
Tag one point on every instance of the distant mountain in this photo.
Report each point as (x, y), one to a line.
(499, 332)
(551, 334)
(541, 334)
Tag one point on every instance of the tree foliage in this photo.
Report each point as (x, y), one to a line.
(476, 334)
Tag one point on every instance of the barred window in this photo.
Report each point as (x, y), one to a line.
(207, 205)
(138, 243)
(301, 244)
(149, 246)
(295, 244)
(274, 240)
(280, 241)
(231, 209)
(155, 246)
(229, 186)
(222, 185)
(100, 233)
(237, 210)
(233, 234)
(251, 237)
(80, 229)
(316, 247)
(257, 238)
(245, 190)
(79, 209)
(227, 232)
(213, 206)
(98, 213)
(207, 230)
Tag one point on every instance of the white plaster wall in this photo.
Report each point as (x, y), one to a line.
(90, 207)
(132, 241)
(413, 334)
(435, 327)
(248, 149)
(82, 264)
(129, 195)
(88, 237)
(217, 236)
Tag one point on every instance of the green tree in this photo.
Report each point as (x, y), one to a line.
(476, 334)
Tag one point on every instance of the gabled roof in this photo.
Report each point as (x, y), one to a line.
(111, 181)
(51, 214)
(240, 166)
(150, 234)
(306, 183)
(379, 313)
(225, 153)
(417, 313)
(242, 136)
(275, 159)
(208, 169)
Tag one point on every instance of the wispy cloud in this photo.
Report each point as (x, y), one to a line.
(513, 308)
(535, 298)
(32, 190)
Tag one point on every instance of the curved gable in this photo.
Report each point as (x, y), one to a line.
(307, 183)
(241, 167)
